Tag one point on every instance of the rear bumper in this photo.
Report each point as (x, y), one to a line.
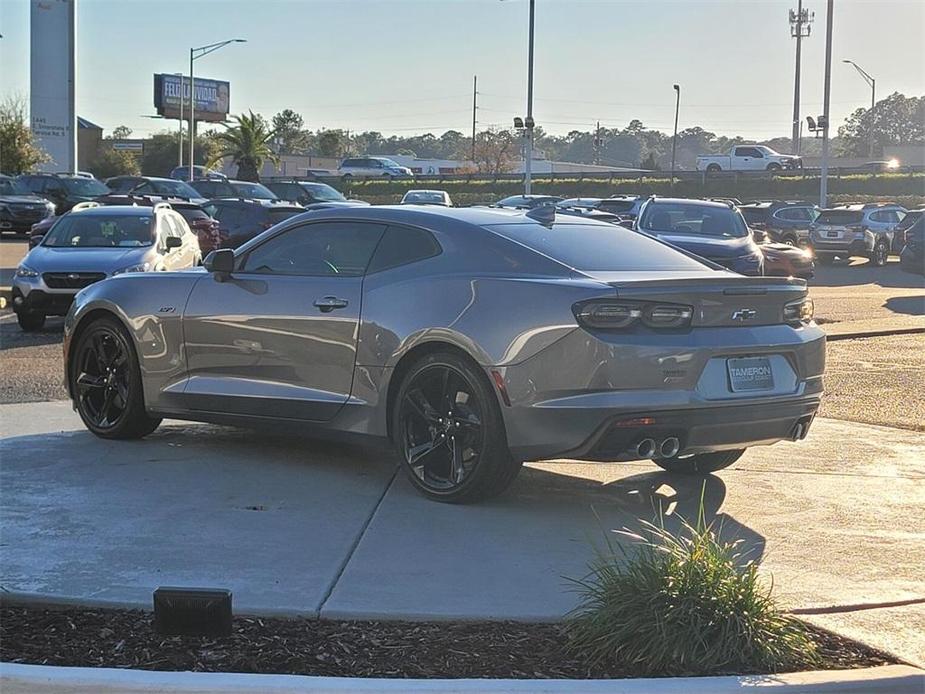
(853, 247)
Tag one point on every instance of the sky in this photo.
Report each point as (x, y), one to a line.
(406, 66)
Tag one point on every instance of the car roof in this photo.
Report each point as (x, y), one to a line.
(693, 201)
(413, 214)
(115, 210)
(426, 190)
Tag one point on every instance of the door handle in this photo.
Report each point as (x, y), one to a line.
(329, 303)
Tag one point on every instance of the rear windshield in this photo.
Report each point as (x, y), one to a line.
(101, 231)
(254, 191)
(598, 247)
(85, 187)
(178, 188)
(279, 215)
(754, 215)
(690, 218)
(840, 217)
(192, 213)
(617, 206)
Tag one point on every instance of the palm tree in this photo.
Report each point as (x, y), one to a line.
(247, 144)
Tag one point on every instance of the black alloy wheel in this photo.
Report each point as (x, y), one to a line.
(106, 383)
(449, 433)
(881, 254)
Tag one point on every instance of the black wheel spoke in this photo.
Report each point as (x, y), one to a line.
(87, 382)
(106, 406)
(456, 464)
(421, 406)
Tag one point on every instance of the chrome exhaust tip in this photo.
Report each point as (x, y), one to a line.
(798, 431)
(669, 447)
(645, 448)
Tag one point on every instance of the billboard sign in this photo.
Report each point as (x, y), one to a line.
(212, 97)
(51, 93)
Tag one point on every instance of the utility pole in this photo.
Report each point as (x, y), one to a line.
(674, 140)
(475, 94)
(800, 29)
(528, 121)
(824, 182)
(597, 144)
(873, 99)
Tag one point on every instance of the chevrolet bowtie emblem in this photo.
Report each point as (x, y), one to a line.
(744, 314)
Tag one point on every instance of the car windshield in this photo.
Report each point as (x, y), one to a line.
(840, 217)
(691, 218)
(85, 187)
(178, 188)
(598, 247)
(11, 186)
(100, 231)
(424, 196)
(282, 213)
(253, 190)
(322, 191)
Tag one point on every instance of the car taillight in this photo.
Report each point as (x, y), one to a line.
(612, 314)
(799, 312)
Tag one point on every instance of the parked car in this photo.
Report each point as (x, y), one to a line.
(200, 222)
(427, 197)
(785, 260)
(748, 158)
(149, 185)
(627, 206)
(785, 221)
(20, 208)
(233, 189)
(912, 258)
(528, 201)
(64, 190)
(587, 203)
(369, 167)
(899, 232)
(310, 194)
(181, 173)
(240, 220)
(712, 230)
(88, 245)
(576, 339)
(863, 230)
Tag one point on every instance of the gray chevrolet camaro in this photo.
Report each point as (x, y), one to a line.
(473, 339)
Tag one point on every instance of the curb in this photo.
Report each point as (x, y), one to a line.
(886, 332)
(45, 679)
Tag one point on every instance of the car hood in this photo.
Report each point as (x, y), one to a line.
(26, 199)
(709, 247)
(47, 259)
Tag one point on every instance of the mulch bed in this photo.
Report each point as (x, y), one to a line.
(126, 639)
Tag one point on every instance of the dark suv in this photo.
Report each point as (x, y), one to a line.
(63, 190)
(150, 185)
(242, 219)
(233, 189)
(20, 208)
(310, 193)
(785, 221)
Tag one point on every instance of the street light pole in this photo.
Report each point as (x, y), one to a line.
(195, 54)
(674, 140)
(873, 100)
(800, 29)
(528, 122)
(824, 182)
(182, 97)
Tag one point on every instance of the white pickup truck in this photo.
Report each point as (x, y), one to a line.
(748, 158)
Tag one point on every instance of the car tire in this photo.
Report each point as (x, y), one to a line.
(449, 433)
(387, 177)
(30, 321)
(714, 168)
(701, 463)
(105, 382)
(773, 167)
(880, 254)
(789, 239)
(346, 178)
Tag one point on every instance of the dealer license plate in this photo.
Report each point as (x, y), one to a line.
(750, 374)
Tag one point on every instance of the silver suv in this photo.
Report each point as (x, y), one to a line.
(847, 230)
(373, 167)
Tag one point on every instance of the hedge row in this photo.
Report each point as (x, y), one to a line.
(906, 188)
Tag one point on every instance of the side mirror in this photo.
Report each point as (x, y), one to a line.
(759, 236)
(35, 240)
(173, 242)
(220, 262)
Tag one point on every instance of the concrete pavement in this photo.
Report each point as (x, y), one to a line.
(301, 527)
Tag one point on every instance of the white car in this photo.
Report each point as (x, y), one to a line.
(748, 158)
(373, 167)
(427, 197)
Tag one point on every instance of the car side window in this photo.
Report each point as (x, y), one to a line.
(877, 216)
(402, 246)
(326, 249)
